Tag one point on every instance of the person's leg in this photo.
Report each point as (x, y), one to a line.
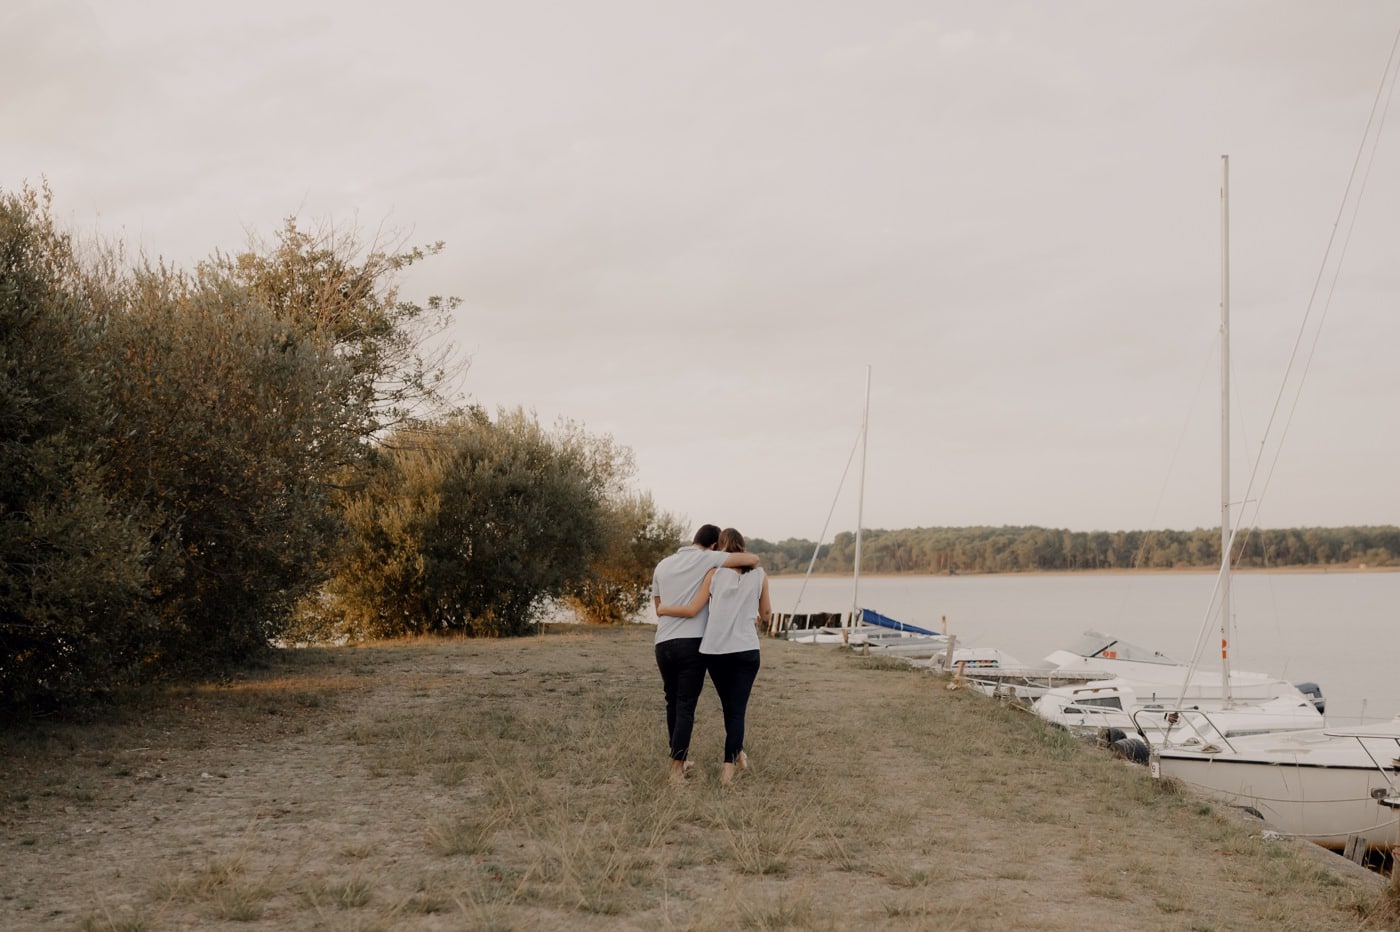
(733, 676)
(684, 678)
(746, 664)
(667, 666)
(690, 681)
(722, 675)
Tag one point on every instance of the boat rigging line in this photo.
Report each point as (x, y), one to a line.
(821, 538)
(1380, 105)
(1357, 178)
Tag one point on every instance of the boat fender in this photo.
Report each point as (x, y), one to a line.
(1132, 749)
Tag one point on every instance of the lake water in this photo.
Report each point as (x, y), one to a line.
(1340, 630)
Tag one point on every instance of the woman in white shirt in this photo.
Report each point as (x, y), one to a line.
(738, 599)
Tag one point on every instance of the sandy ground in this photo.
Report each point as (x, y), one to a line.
(275, 801)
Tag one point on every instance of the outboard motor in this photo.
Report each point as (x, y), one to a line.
(1313, 692)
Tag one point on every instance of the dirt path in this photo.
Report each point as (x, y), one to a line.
(520, 785)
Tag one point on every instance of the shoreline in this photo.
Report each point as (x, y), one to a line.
(1135, 571)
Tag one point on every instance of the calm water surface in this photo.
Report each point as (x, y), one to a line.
(1341, 630)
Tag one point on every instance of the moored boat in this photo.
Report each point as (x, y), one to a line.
(1330, 786)
(1140, 690)
(1153, 711)
(1151, 695)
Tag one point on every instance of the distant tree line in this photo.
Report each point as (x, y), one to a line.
(200, 463)
(1035, 549)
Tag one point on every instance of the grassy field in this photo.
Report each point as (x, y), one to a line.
(522, 785)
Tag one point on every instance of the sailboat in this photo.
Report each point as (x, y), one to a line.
(1336, 787)
(860, 626)
(870, 631)
(1332, 786)
(1155, 701)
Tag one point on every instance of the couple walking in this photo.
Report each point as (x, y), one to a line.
(707, 596)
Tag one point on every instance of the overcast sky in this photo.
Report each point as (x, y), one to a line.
(692, 226)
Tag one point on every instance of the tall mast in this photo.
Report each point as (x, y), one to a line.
(1225, 523)
(860, 499)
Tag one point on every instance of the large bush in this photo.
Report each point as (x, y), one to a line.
(72, 557)
(474, 525)
(227, 426)
(344, 295)
(633, 538)
(174, 443)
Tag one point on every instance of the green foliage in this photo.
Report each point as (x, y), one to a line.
(173, 444)
(472, 526)
(228, 427)
(344, 296)
(1025, 549)
(792, 555)
(633, 539)
(71, 557)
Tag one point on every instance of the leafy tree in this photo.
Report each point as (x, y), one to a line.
(173, 442)
(473, 526)
(633, 538)
(253, 390)
(792, 555)
(72, 559)
(227, 427)
(345, 296)
(1017, 549)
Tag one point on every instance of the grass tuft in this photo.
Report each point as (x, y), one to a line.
(784, 912)
(461, 837)
(106, 921)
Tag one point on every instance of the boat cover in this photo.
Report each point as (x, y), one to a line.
(875, 618)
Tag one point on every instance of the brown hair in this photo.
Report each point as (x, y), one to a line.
(731, 541)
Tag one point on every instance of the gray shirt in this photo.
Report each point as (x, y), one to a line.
(675, 581)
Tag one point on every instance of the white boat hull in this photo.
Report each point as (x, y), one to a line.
(852, 635)
(1325, 786)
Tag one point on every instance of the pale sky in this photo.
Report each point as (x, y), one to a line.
(692, 226)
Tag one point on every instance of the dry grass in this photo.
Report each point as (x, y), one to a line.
(521, 785)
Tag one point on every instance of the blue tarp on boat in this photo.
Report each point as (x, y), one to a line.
(875, 618)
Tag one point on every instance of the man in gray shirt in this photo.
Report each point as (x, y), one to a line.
(675, 581)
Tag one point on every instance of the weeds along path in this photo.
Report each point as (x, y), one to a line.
(521, 785)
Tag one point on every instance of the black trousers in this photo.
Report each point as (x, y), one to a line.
(682, 677)
(733, 676)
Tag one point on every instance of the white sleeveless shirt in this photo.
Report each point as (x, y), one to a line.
(733, 610)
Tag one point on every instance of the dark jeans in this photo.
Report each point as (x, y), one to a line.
(682, 677)
(733, 676)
